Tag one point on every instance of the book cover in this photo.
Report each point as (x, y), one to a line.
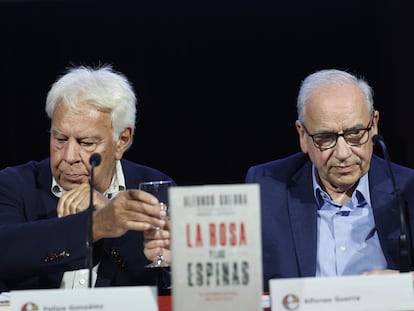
(216, 247)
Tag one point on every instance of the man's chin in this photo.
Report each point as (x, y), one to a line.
(69, 185)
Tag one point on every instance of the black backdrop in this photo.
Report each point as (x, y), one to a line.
(216, 81)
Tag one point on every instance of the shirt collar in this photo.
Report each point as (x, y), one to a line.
(360, 196)
(117, 183)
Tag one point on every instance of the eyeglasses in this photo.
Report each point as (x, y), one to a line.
(353, 137)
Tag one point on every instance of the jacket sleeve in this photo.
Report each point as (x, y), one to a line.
(34, 241)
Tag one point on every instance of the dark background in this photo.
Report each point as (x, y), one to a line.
(216, 81)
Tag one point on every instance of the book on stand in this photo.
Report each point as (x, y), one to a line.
(5, 301)
(216, 247)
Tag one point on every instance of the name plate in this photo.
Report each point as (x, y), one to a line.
(89, 299)
(386, 292)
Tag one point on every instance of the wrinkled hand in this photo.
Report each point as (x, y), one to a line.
(78, 199)
(157, 242)
(377, 271)
(129, 210)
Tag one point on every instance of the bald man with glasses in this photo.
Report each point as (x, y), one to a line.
(331, 209)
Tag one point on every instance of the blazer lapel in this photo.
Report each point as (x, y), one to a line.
(386, 211)
(303, 217)
(48, 200)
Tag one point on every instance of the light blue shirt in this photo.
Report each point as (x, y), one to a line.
(347, 242)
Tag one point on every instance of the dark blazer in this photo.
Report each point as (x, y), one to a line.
(289, 213)
(37, 247)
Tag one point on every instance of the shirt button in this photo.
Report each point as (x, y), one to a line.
(82, 281)
(342, 248)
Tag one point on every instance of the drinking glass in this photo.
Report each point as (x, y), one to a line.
(159, 189)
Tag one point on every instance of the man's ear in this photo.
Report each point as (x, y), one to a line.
(124, 141)
(375, 123)
(302, 136)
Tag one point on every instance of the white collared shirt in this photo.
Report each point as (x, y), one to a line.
(80, 278)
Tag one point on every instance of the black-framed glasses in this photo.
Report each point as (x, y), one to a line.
(353, 137)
